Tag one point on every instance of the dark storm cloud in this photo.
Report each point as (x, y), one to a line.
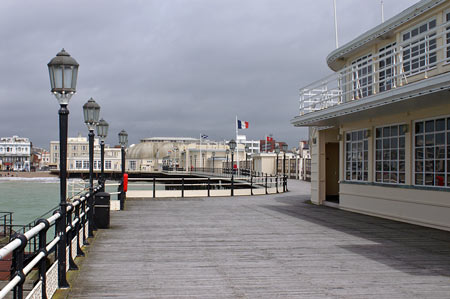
(172, 67)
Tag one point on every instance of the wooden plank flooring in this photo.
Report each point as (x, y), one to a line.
(275, 246)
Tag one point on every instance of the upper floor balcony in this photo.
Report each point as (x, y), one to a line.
(415, 63)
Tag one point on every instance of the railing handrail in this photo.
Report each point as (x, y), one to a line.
(350, 83)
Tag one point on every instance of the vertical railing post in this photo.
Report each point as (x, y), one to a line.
(18, 259)
(266, 185)
(78, 227)
(276, 183)
(154, 187)
(83, 208)
(251, 183)
(209, 186)
(43, 262)
(72, 265)
(182, 186)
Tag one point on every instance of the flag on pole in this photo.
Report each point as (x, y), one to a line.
(242, 124)
(203, 136)
(269, 139)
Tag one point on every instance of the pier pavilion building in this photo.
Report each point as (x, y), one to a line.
(380, 124)
(155, 153)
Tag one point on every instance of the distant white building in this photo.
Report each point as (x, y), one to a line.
(78, 155)
(15, 153)
(253, 145)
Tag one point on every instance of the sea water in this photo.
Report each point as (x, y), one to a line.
(28, 198)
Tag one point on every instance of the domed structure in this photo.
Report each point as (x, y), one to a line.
(157, 147)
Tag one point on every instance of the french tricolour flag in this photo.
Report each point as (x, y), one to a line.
(242, 124)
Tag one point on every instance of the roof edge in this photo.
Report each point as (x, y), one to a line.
(381, 30)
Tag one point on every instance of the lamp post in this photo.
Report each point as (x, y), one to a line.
(63, 71)
(247, 149)
(102, 132)
(213, 156)
(123, 141)
(175, 149)
(284, 147)
(232, 145)
(227, 152)
(91, 112)
(277, 151)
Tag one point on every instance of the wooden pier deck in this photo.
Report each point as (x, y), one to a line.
(275, 246)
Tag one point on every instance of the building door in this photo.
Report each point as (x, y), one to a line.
(332, 172)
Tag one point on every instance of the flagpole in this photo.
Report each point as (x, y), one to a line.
(335, 24)
(237, 147)
(201, 160)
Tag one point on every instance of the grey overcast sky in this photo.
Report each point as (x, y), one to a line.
(172, 67)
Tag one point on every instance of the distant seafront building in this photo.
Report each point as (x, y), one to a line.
(15, 153)
(78, 155)
(380, 125)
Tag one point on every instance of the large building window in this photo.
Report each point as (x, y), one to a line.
(362, 77)
(133, 165)
(432, 152)
(107, 164)
(85, 164)
(78, 165)
(390, 154)
(356, 155)
(386, 67)
(419, 48)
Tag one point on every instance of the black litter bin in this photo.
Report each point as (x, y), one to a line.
(101, 209)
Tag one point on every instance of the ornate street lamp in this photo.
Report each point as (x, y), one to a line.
(102, 133)
(232, 145)
(63, 71)
(284, 147)
(91, 112)
(123, 141)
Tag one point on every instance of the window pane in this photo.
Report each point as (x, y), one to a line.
(378, 133)
(440, 124)
(429, 126)
(419, 179)
(440, 138)
(419, 140)
(419, 127)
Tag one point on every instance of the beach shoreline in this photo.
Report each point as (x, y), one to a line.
(36, 174)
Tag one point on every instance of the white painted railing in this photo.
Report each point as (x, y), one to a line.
(394, 66)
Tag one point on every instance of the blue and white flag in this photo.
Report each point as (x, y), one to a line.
(203, 136)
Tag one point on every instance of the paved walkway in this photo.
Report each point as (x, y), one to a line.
(275, 246)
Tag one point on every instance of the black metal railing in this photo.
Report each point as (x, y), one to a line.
(220, 179)
(34, 244)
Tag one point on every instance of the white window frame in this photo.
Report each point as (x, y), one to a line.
(390, 160)
(361, 87)
(446, 36)
(365, 137)
(418, 40)
(446, 158)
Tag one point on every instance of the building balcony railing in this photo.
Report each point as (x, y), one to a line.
(417, 57)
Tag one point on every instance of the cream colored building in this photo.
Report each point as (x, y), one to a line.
(156, 153)
(380, 125)
(78, 155)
